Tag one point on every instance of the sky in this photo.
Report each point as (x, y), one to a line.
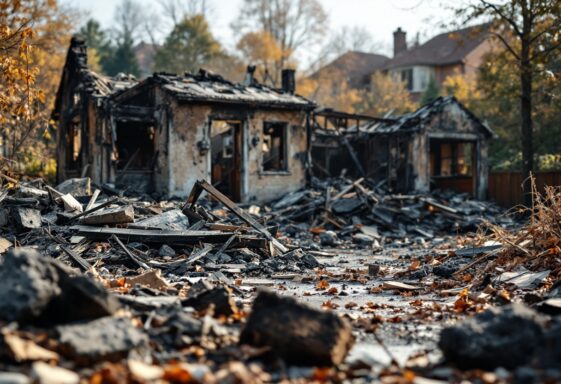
(379, 17)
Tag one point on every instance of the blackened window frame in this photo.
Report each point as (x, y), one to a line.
(284, 148)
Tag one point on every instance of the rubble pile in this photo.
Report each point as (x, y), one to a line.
(358, 211)
(110, 288)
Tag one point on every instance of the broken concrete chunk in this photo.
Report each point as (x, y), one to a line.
(27, 218)
(44, 373)
(499, 337)
(152, 279)
(219, 298)
(297, 333)
(36, 289)
(76, 186)
(27, 285)
(118, 215)
(328, 238)
(166, 250)
(105, 339)
(173, 219)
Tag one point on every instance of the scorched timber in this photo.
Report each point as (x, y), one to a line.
(168, 237)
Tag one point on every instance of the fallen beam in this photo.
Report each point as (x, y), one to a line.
(201, 185)
(167, 236)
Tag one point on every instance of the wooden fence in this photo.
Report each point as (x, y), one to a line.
(506, 187)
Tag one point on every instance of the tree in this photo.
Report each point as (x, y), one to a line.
(123, 59)
(465, 88)
(34, 36)
(387, 95)
(431, 93)
(188, 47)
(261, 49)
(330, 89)
(99, 48)
(294, 25)
(129, 18)
(529, 32)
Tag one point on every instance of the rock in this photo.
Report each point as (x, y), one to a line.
(218, 297)
(37, 289)
(76, 187)
(499, 337)
(297, 333)
(361, 238)
(104, 339)
(445, 270)
(328, 238)
(27, 285)
(27, 218)
(166, 250)
(44, 373)
(309, 261)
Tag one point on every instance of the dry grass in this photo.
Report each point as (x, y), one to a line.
(536, 245)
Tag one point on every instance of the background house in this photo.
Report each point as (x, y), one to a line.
(459, 52)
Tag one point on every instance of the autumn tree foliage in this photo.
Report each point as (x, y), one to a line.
(387, 95)
(529, 32)
(294, 25)
(33, 40)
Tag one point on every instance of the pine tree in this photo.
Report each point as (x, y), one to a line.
(123, 59)
(431, 93)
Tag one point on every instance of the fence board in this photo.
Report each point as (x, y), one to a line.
(506, 187)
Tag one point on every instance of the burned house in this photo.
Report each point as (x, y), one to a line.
(441, 145)
(163, 133)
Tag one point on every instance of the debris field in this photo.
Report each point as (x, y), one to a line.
(339, 282)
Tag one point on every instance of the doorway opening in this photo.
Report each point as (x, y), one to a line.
(226, 157)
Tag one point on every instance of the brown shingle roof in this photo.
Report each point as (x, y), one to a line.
(446, 48)
(355, 66)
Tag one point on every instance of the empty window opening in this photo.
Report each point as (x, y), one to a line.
(225, 142)
(274, 147)
(73, 144)
(135, 146)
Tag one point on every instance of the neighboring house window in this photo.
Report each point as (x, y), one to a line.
(274, 147)
(407, 78)
(421, 78)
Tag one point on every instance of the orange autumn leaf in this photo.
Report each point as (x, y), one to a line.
(322, 285)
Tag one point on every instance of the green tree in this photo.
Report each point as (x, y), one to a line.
(123, 58)
(189, 46)
(99, 47)
(431, 93)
